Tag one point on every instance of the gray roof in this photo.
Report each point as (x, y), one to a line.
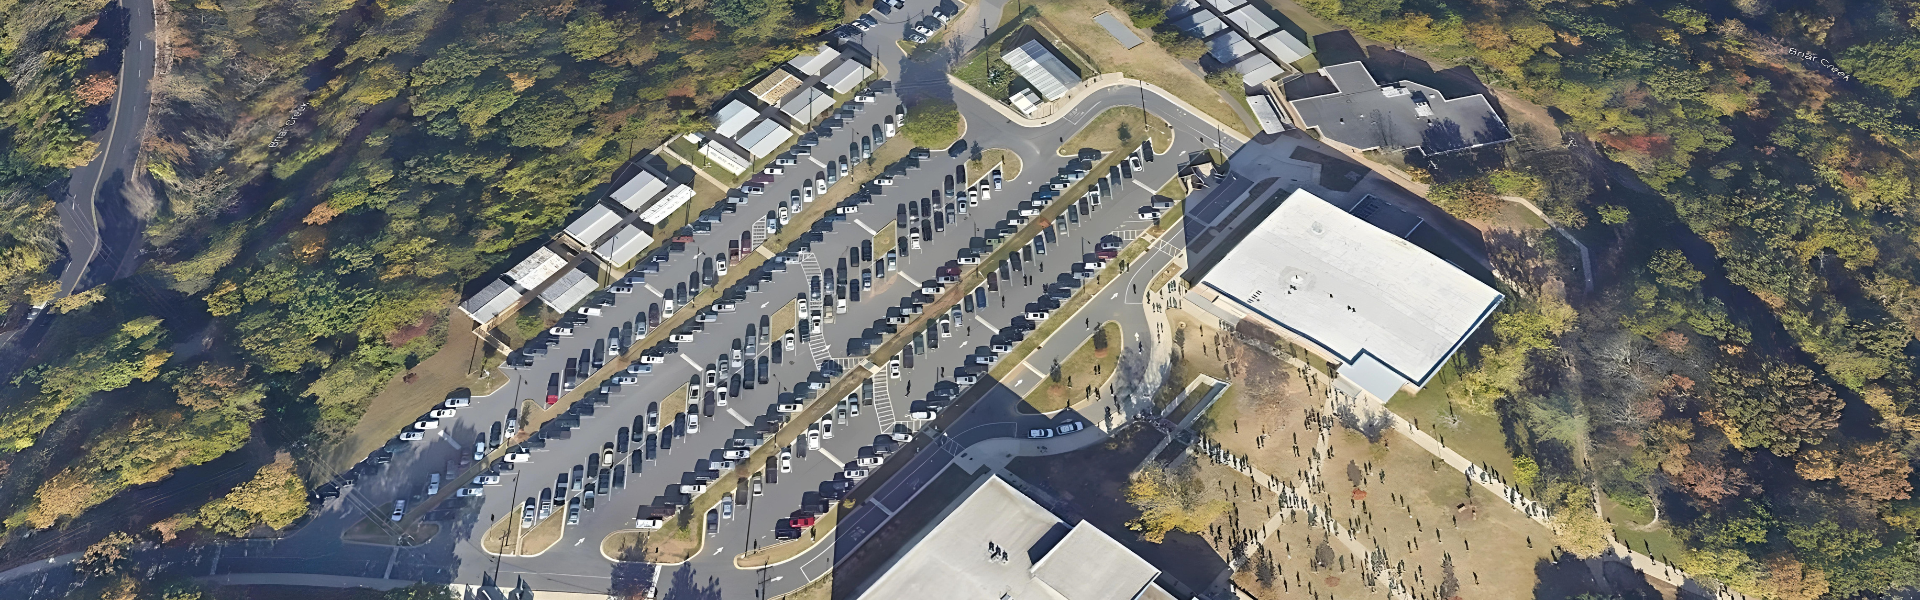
(1200, 23)
(588, 229)
(1365, 115)
(1224, 5)
(1285, 46)
(1256, 68)
(569, 290)
(625, 244)
(1252, 21)
(807, 104)
(491, 300)
(732, 117)
(1089, 565)
(846, 76)
(765, 138)
(952, 560)
(535, 270)
(1354, 290)
(636, 192)
(811, 64)
(1229, 47)
(1266, 112)
(1050, 77)
(1120, 32)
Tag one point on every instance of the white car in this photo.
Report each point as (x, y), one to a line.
(561, 331)
(788, 408)
(870, 461)
(399, 510)
(819, 186)
(479, 451)
(923, 415)
(826, 427)
(1070, 427)
(788, 341)
(626, 380)
(441, 413)
(649, 523)
(1039, 434)
(470, 491)
(650, 359)
(813, 437)
(901, 436)
(412, 436)
(922, 29)
(486, 480)
(517, 457)
(857, 474)
(458, 402)
(433, 484)
(894, 367)
(735, 454)
(786, 460)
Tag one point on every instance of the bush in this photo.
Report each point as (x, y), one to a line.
(932, 124)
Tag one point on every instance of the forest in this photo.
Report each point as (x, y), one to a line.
(333, 172)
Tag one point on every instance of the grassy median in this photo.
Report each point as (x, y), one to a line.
(1087, 367)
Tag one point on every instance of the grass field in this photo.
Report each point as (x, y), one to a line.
(507, 537)
(1479, 437)
(1073, 20)
(1633, 529)
(371, 531)
(1010, 164)
(1086, 366)
(1120, 129)
(634, 545)
(461, 363)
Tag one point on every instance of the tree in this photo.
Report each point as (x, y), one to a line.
(1613, 214)
(420, 591)
(95, 89)
(1576, 525)
(1886, 66)
(739, 13)
(1468, 199)
(591, 36)
(1180, 45)
(274, 497)
(1877, 471)
(1171, 498)
(932, 123)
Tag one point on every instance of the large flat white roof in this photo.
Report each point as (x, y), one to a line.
(1353, 289)
(724, 158)
(668, 203)
(956, 559)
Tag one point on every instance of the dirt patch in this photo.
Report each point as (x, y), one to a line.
(647, 546)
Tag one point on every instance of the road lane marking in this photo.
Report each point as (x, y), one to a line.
(862, 225)
(696, 366)
(1143, 186)
(737, 417)
(716, 551)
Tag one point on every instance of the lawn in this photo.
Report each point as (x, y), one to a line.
(1118, 129)
(634, 545)
(1008, 161)
(985, 71)
(782, 320)
(376, 530)
(1073, 21)
(885, 239)
(1631, 527)
(1478, 437)
(1092, 363)
(462, 363)
(506, 537)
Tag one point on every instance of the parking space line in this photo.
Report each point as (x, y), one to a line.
(737, 417)
(983, 321)
(696, 366)
(655, 290)
(870, 230)
(1136, 181)
(816, 161)
(830, 456)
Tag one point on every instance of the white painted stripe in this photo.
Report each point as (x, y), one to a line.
(656, 291)
(870, 230)
(983, 321)
(816, 161)
(830, 456)
(448, 439)
(737, 417)
(696, 366)
(1144, 187)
